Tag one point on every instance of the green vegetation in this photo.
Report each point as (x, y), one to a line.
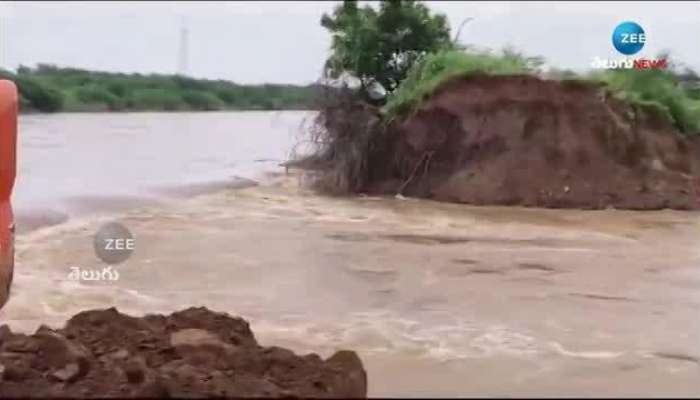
(658, 90)
(380, 46)
(404, 49)
(48, 88)
(377, 47)
(408, 51)
(435, 69)
(668, 93)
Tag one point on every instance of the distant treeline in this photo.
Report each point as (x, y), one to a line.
(48, 88)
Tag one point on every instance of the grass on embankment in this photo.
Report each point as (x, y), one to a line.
(435, 69)
(657, 90)
(48, 88)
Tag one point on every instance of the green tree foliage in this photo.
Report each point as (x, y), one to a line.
(34, 94)
(154, 99)
(48, 88)
(39, 96)
(202, 100)
(100, 96)
(380, 46)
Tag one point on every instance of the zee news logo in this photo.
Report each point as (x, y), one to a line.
(629, 38)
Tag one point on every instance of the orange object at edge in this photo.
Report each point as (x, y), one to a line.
(8, 171)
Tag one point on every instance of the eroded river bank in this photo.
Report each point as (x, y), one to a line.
(437, 299)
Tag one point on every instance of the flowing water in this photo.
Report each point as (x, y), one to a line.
(73, 163)
(438, 299)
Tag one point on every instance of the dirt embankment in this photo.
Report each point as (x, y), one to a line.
(194, 352)
(521, 140)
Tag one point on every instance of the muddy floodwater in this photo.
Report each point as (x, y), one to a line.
(438, 299)
(76, 164)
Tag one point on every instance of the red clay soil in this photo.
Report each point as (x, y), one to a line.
(190, 353)
(520, 140)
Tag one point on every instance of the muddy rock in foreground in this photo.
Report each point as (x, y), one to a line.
(190, 353)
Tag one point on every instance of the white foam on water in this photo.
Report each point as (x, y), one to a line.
(500, 339)
(386, 332)
(552, 249)
(597, 355)
(41, 296)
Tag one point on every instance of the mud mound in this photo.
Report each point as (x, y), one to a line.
(520, 140)
(191, 353)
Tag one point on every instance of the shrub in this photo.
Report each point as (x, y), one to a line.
(345, 134)
(201, 100)
(656, 90)
(435, 69)
(41, 97)
(99, 95)
(155, 99)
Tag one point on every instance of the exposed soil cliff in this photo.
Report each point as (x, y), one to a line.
(520, 140)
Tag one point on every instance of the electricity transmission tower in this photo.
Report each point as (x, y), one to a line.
(183, 52)
(3, 49)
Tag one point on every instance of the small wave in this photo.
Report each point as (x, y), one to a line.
(36, 218)
(195, 189)
(584, 354)
(90, 204)
(373, 333)
(32, 220)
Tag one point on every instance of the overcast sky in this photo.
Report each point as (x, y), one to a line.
(254, 42)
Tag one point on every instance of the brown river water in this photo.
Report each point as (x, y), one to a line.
(438, 299)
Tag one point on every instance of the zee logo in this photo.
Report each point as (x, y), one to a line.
(113, 243)
(119, 244)
(629, 38)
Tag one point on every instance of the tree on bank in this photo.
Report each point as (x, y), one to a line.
(379, 46)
